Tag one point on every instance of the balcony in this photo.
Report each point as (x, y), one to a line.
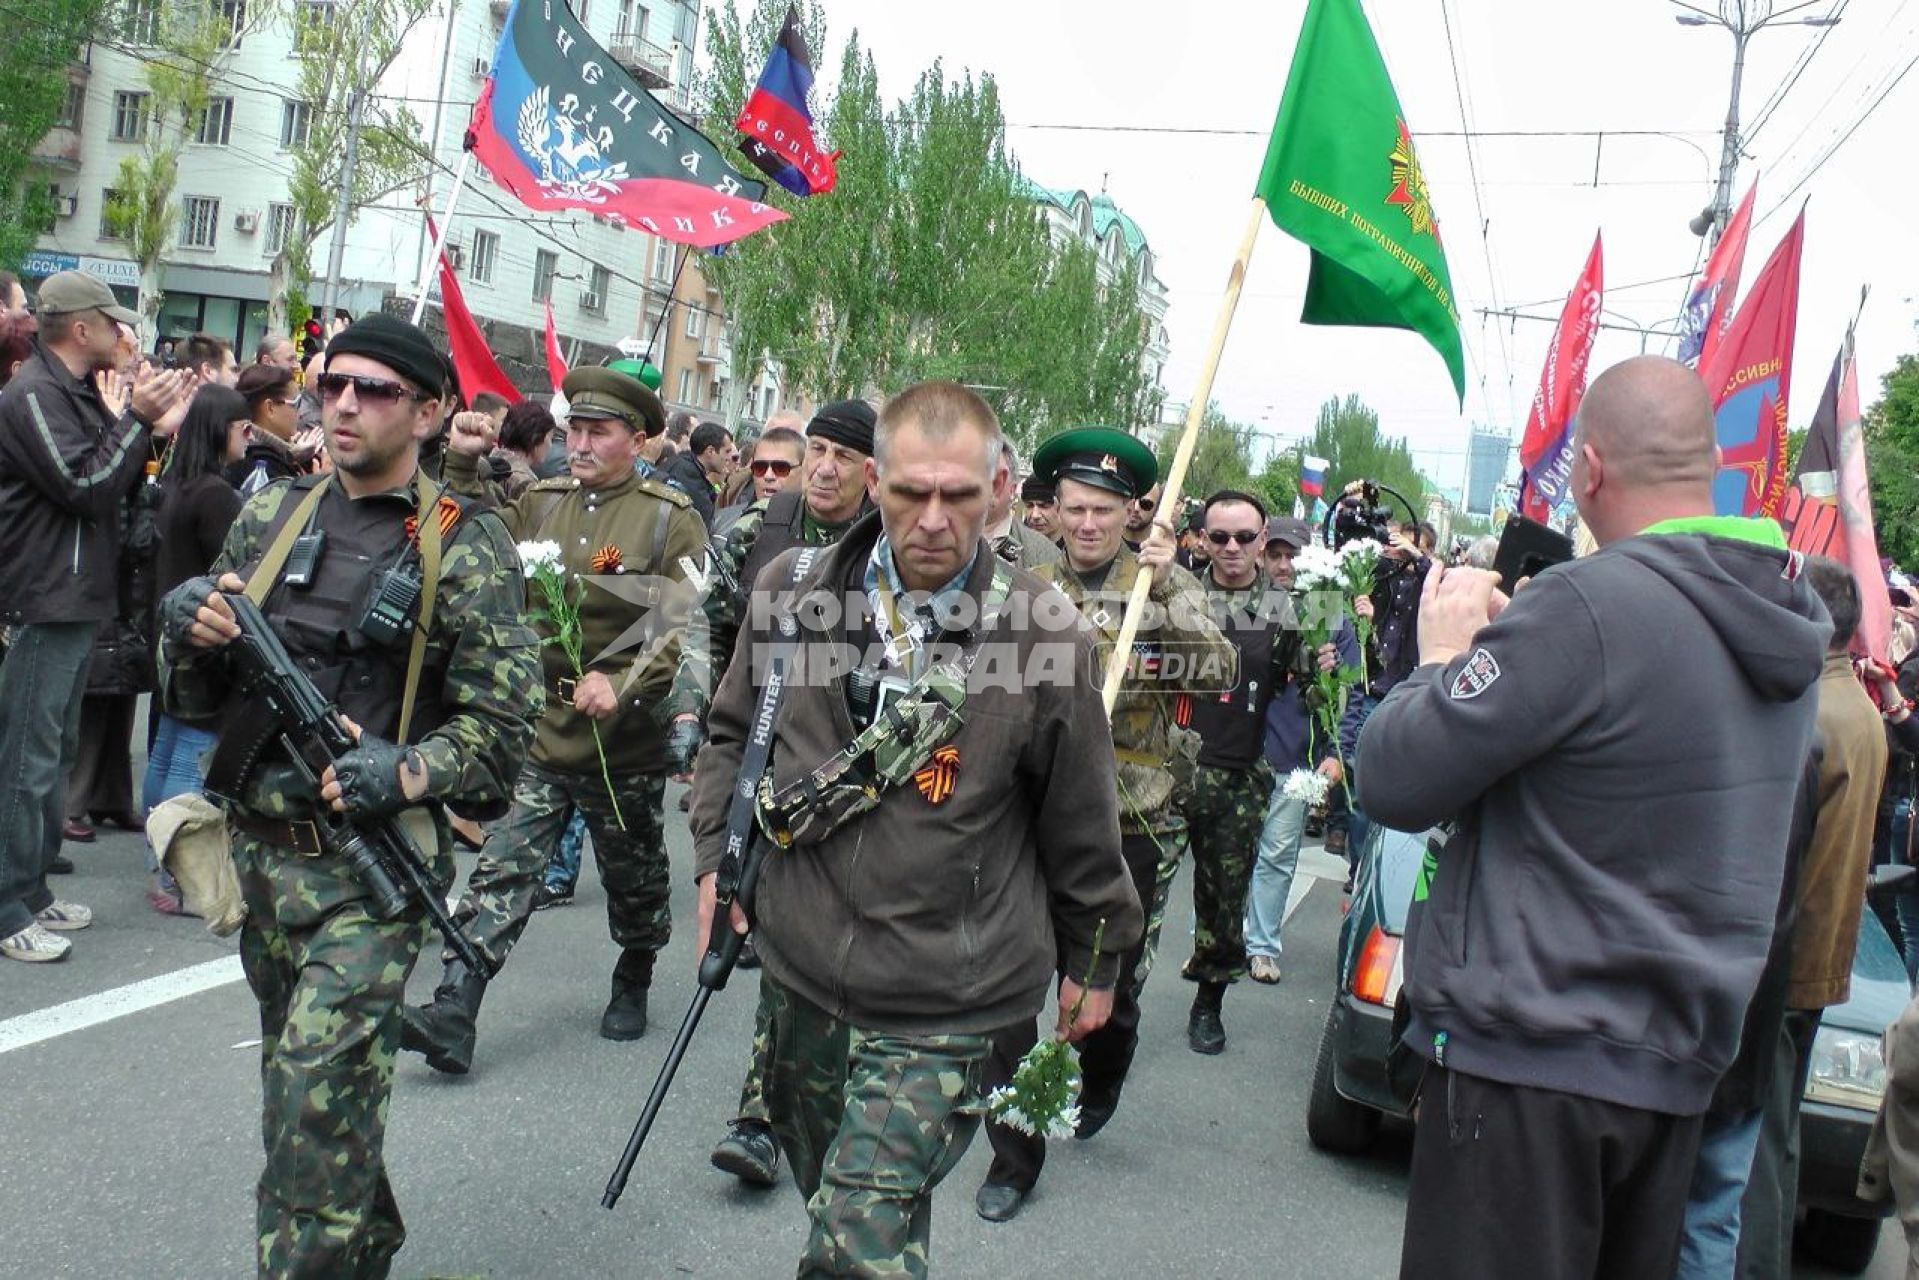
(651, 65)
(60, 148)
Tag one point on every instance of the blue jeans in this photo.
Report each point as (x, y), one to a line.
(173, 767)
(1272, 881)
(1709, 1246)
(563, 868)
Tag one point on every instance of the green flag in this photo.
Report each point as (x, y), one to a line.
(1341, 174)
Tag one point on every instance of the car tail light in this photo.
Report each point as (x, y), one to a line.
(1376, 977)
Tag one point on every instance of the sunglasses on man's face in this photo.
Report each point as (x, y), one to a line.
(1244, 537)
(1145, 504)
(380, 391)
(778, 468)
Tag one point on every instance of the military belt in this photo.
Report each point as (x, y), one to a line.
(301, 837)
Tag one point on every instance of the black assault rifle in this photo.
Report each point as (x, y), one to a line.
(308, 727)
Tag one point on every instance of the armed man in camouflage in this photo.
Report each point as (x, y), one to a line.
(609, 523)
(907, 916)
(830, 497)
(328, 974)
(1096, 472)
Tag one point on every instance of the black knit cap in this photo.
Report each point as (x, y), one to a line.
(400, 346)
(847, 422)
(1034, 489)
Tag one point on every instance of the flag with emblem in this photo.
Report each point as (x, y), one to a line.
(776, 125)
(562, 125)
(1750, 380)
(1709, 305)
(1342, 175)
(1546, 450)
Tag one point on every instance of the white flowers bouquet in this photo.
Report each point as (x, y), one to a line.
(560, 595)
(1306, 785)
(1331, 580)
(1043, 1098)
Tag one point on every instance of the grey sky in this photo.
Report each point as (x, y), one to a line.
(1547, 64)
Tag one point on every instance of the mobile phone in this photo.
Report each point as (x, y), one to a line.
(1526, 547)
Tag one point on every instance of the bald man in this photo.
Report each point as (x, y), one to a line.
(1618, 749)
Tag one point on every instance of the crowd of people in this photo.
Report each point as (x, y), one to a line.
(1655, 776)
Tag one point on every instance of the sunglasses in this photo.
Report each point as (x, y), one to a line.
(1145, 504)
(376, 391)
(1244, 537)
(778, 468)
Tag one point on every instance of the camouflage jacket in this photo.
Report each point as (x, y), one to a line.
(703, 659)
(638, 527)
(480, 653)
(1143, 727)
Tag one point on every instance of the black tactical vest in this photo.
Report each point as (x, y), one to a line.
(1232, 723)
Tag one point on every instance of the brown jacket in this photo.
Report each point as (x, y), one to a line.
(1832, 883)
(918, 917)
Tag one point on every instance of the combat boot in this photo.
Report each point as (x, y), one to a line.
(1205, 1033)
(444, 1029)
(625, 1017)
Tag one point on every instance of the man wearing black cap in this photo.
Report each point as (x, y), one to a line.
(441, 682)
(598, 748)
(1097, 472)
(73, 442)
(1042, 507)
(830, 497)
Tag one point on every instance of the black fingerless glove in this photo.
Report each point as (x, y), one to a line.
(182, 605)
(369, 778)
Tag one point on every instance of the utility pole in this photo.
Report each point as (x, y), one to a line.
(343, 199)
(1744, 19)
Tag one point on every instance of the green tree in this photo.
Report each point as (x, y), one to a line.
(1277, 483)
(1222, 455)
(192, 45)
(45, 38)
(342, 50)
(1892, 462)
(1348, 436)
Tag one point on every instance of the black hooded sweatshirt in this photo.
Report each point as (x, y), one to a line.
(1621, 748)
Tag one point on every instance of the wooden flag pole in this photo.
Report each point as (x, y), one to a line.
(439, 238)
(1188, 439)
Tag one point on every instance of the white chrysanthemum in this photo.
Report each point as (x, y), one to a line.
(535, 556)
(1318, 569)
(1306, 785)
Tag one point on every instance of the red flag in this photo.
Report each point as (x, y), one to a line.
(473, 361)
(555, 362)
(1709, 308)
(1750, 379)
(1546, 450)
(1828, 509)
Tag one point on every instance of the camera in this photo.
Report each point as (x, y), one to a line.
(1361, 515)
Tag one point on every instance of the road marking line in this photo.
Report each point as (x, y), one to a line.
(90, 1011)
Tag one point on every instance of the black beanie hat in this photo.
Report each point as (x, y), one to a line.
(400, 346)
(847, 422)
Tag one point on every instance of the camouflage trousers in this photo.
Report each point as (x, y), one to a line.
(753, 1091)
(329, 979)
(1170, 845)
(871, 1122)
(1225, 812)
(499, 894)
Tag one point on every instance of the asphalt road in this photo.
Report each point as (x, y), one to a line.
(131, 1144)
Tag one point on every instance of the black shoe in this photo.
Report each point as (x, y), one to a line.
(445, 1029)
(124, 819)
(1205, 1033)
(625, 1016)
(1093, 1114)
(749, 1153)
(61, 865)
(552, 896)
(749, 958)
(997, 1202)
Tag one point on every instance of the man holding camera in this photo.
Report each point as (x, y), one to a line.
(333, 562)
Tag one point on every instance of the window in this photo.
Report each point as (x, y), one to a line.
(639, 25)
(486, 252)
(296, 121)
(597, 289)
(233, 21)
(716, 392)
(215, 123)
(662, 259)
(108, 229)
(767, 410)
(546, 265)
(73, 107)
(686, 386)
(199, 222)
(623, 25)
(279, 228)
(140, 21)
(318, 13)
(129, 117)
(579, 10)
(695, 321)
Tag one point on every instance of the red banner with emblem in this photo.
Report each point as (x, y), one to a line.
(1546, 450)
(1750, 380)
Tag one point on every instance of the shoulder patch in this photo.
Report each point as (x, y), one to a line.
(1475, 677)
(666, 492)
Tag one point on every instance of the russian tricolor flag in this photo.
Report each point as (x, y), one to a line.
(776, 127)
(1312, 476)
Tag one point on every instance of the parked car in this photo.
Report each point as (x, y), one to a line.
(1352, 1091)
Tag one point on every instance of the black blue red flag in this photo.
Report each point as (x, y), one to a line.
(561, 125)
(776, 127)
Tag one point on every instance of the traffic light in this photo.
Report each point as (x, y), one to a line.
(312, 341)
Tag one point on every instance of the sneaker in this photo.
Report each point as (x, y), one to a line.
(35, 945)
(1265, 969)
(64, 917)
(548, 895)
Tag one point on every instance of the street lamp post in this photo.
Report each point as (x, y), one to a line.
(1745, 19)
